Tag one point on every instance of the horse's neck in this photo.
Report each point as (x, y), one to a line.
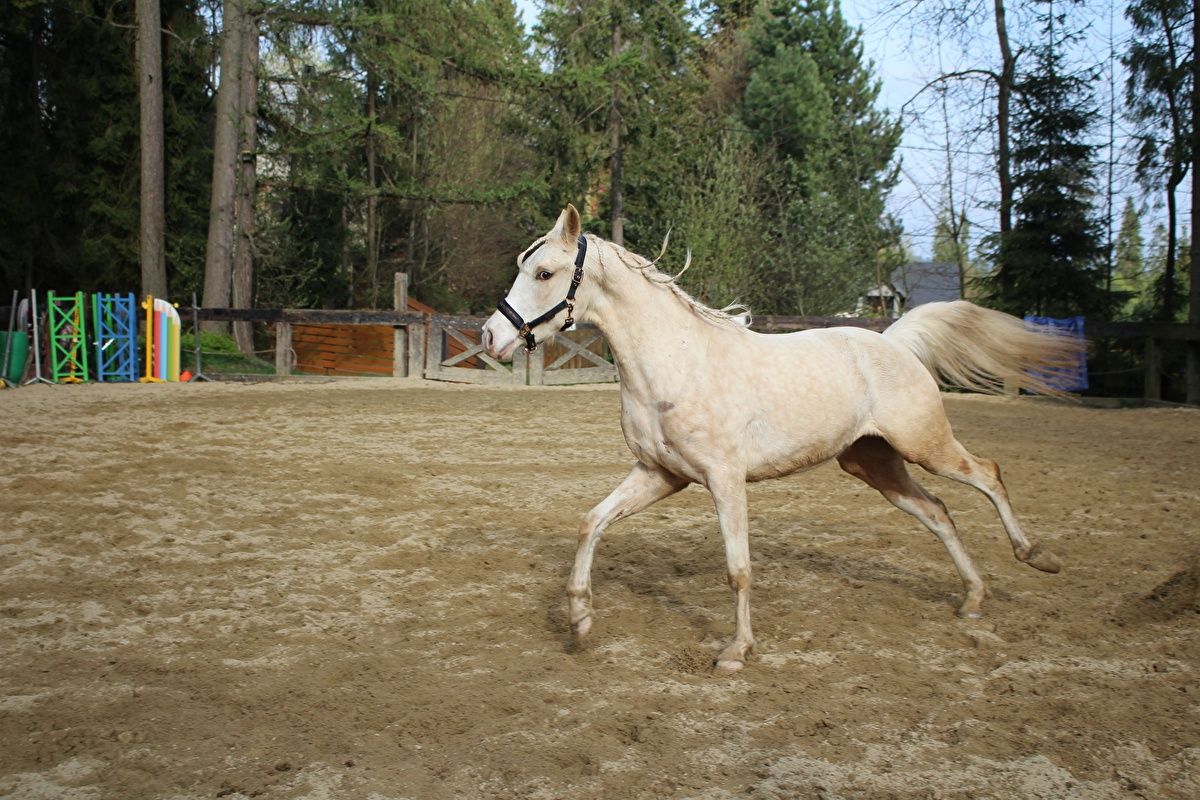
(653, 335)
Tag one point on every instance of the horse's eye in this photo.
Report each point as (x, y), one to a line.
(543, 276)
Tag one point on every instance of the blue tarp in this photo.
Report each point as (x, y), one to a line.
(1068, 380)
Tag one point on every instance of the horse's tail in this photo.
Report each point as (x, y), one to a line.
(988, 351)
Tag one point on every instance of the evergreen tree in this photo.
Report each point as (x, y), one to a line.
(719, 216)
(1050, 263)
(811, 98)
(1129, 276)
(1151, 302)
(69, 172)
(1159, 99)
(416, 100)
(618, 110)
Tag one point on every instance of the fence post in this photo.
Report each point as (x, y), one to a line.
(417, 336)
(536, 364)
(283, 348)
(1153, 359)
(400, 333)
(435, 347)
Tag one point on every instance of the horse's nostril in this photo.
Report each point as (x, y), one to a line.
(487, 339)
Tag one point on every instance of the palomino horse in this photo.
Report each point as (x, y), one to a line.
(706, 400)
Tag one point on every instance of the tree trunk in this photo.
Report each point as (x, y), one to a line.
(28, 117)
(1003, 158)
(152, 208)
(243, 266)
(1193, 347)
(372, 198)
(347, 262)
(416, 273)
(618, 166)
(1170, 297)
(218, 260)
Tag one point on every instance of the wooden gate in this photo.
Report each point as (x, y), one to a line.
(578, 356)
(453, 353)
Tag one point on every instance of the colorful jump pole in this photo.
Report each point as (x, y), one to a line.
(116, 321)
(38, 377)
(162, 341)
(68, 338)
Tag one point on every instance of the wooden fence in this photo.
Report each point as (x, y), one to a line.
(446, 347)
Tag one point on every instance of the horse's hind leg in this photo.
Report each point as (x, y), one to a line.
(955, 462)
(874, 461)
(642, 488)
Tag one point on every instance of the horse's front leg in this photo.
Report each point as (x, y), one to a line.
(643, 487)
(729, 494)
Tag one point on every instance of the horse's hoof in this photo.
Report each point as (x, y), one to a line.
(728, 667)
(581, 628)
(1038, 558)
(969, 612)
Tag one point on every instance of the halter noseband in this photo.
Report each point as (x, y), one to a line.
(526, 328)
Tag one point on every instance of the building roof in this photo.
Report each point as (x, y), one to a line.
(926, 282)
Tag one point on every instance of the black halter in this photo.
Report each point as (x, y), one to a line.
(526, 328)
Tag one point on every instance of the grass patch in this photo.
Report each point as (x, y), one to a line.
(220, 355)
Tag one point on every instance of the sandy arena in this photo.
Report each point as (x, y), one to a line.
(355, 589)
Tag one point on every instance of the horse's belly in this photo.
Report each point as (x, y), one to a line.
(772, 452)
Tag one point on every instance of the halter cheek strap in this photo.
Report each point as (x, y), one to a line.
(526, 328)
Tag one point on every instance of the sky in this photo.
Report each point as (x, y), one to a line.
(907, 56)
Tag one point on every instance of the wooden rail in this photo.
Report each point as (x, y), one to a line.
(414, 353)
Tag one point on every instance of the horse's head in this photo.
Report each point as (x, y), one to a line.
(543, 297)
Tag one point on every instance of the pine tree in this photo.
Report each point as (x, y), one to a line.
(1129, 274)
(1159, 99)
(1152, 301)
(811, 97)
(1050, 263)
(69, 176)
(417, 99)
(618, 118)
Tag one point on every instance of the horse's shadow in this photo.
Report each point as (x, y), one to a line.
(649, 568)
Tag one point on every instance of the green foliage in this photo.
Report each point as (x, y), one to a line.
(810, 101)
(748, 129)
(1160, 65)
(219, 354)
(951, 238)
(1157, 298)
(649, 87)
(722, 222)
(69, 169)
(1050, 263)
(441, 137)
(210, 343)
(1129, 273)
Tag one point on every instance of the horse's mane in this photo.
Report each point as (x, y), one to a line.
(734, 315)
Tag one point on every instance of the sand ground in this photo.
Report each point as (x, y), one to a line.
(354, 589)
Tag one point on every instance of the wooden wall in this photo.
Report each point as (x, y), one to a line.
(343, 349)
(331, 349)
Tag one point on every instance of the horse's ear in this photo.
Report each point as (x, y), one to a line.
(568, 226)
